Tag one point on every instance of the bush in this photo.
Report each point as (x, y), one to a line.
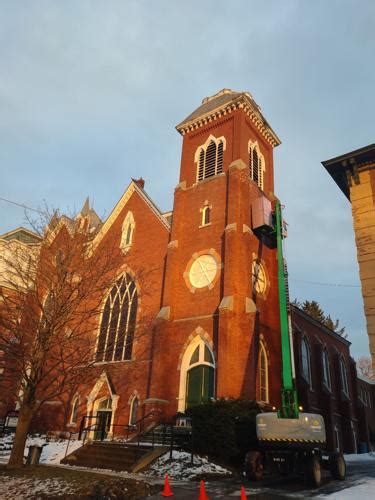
(224, 428)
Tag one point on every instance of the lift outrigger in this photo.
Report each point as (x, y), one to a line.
(289, 440)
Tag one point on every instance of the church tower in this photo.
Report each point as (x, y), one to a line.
(217, 332)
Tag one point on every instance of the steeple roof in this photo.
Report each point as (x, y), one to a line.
(226, 101)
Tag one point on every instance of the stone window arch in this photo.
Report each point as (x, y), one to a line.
(197, 374)
(326, 369)
(118, 322)
(344, 377)
(209, 157)
(263, 381)
(306, 360)
(74, 409)
(256, 164)
(127, 232)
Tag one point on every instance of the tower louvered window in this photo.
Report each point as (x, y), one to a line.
(118, 322)
(256, 164)
(210, 160)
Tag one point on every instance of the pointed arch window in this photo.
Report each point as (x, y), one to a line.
(263, 373)
(209, 158)
(134, 411)
(256, 164)
(74, 412)
(326, 369)
(116, 334)
(306, 361)
(344, 377)
(127, 232)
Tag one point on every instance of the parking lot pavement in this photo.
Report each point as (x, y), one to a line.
(274, 488)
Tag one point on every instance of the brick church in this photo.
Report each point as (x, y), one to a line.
(200, 279)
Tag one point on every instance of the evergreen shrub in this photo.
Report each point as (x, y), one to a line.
(224, 428)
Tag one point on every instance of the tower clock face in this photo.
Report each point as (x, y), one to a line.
(203, 271)
(259, 280)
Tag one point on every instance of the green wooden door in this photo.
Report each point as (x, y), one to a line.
(199, 385)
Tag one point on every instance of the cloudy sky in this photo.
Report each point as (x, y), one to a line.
(90, 92)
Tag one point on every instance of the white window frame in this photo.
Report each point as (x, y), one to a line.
(204, 147)
(74, 409)
(250, 148)
(306, 375)
(129, 223)
(263, 350)
(326, 370)
(186, 366)
(344, 377)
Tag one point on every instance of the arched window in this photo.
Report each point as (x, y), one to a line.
(305, 361)
(344, 377)
(209, 158)
(118, 322)
(127, 232)
(256, 164)
(263, 373)
(197, 379)
(133, 411)
(74, 412)
(206, 215)
(326, 369)
(258, 277)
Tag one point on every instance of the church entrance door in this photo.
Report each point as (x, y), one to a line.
(103, 424)
(200, 385)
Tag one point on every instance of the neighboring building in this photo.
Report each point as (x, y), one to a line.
(354, 173)
(16, 248)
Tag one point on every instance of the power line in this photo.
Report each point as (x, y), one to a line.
(325, 284)
(21, 205)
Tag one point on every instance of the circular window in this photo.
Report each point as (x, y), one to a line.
(203, 271)
(259, 280)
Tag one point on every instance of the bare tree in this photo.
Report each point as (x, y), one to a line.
(51, 296)
(364, 367)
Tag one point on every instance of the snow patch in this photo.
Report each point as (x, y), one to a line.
(180, 467)
(52, 451)
(362, 457)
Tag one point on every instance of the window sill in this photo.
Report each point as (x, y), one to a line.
(99, 363)
(205, 225)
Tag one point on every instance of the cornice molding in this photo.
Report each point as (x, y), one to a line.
(243, 102)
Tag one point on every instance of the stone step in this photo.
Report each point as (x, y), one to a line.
(103, 455)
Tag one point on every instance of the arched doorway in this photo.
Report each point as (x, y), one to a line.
(103, 418)
(197, 381)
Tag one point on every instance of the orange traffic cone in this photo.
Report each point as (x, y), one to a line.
(202, 492)
(243, 493)
(167, 492)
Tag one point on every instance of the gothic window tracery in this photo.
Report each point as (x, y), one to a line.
(115, 341)
(209, 158)
(256, 164)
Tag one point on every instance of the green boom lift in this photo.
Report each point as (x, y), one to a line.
(290, 441)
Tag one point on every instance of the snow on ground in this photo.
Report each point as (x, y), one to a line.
(22, 488)
(364, 488)
(52, 452)
(181, 468)
(363, 457)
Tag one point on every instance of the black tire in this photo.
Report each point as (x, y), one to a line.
(338, 466)
(254, 466)
(314, 471)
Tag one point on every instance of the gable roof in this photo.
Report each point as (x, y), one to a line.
(133, 187)
(226, 101)
(21, 234)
